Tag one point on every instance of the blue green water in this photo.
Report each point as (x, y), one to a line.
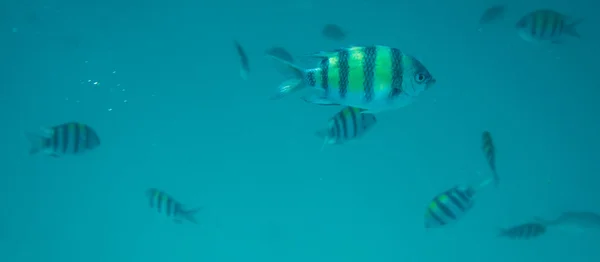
(159, 81)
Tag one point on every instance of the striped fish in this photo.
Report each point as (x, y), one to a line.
(449, 206)
(67, 139)
(373, 78)
(524, 231)
(489, 150)
(346, 125)
(167, 205)
(546, 25)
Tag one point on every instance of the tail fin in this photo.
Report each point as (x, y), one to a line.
(571, 29)
(190, 215)
(291, 85)
(36, 141)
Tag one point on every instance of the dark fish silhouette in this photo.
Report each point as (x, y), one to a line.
(489, 150)
(333, 32)
(492, 14)
(524, 231)
(245, 64)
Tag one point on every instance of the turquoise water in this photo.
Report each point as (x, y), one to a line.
(159, 82)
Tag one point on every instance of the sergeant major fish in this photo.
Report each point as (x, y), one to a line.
(546, 26)
(167, 205)
(524, 231)
(451, 205)
(67, 139)
(373, 78)
(346, 125)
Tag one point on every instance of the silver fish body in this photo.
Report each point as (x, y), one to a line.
(168, 206)
(546, 25)
(67, 139)
(373, 78)
(449, 206)
(346, 125)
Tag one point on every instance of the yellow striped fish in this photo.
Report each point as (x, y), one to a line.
(373, 78)
(489, 150)
(167, 205)
(66, 139)
(546, 25)
(346, 125)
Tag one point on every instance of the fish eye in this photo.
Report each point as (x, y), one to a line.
(420, 78)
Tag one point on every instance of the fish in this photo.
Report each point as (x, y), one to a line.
(333, 32)
(245, 64)
(452, 205)
(374, 78)
(70, 138)
(547, 26)
(574, 221)
(283, 54)
(489, 150)
(348, 124)
(492, 14)
(524, 231)
(168, 206)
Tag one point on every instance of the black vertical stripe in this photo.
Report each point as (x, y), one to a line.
(177, 210)
(444, 209)
(554, 27)
(370, 54)
(397, 74)
(561, 26)
(344, 125)
(534, 25)
(77, 139)
(456, 202)
(55, 135)
(355, 131)
(344, 70)
(546, 19)
(159, 201)
(437, 218)
(336, 129)
(325, 75)
(65, 138)
(310, 78)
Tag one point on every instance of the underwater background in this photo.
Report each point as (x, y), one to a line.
(159, 81)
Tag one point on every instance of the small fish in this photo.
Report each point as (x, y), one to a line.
(334, 32)
(489, 150)
(67, 139)
(492, 14)
(283, 54)
(451, 205)
(280, 53)
(346, 125)
(524, 231)
(374, 78)
(170, 207)
(546, 26)
(245, 66)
